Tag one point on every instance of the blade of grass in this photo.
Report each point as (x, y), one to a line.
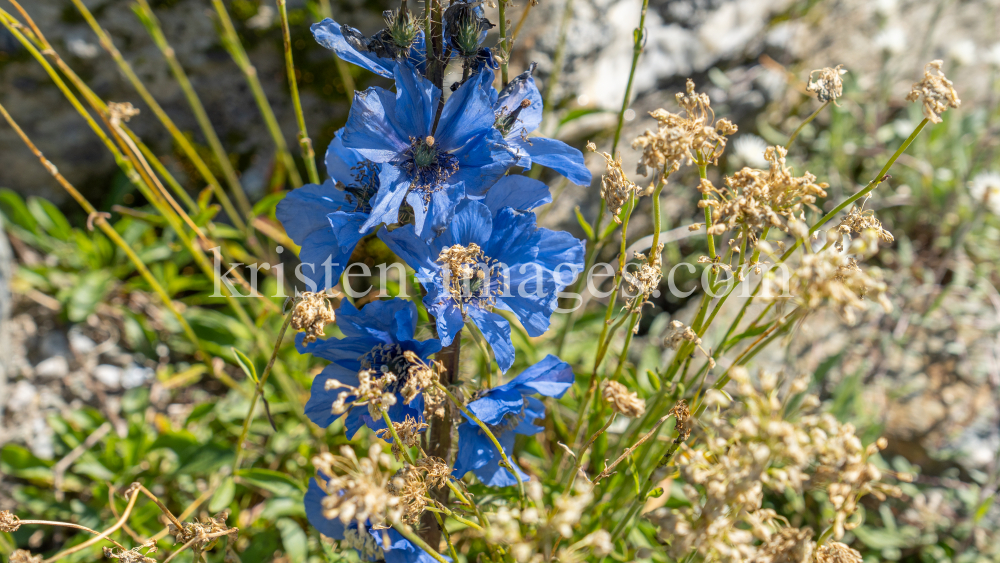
(305, 143)
(231, 41)
(168, 123)
(152, 25)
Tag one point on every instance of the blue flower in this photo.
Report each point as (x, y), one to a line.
(508, 411)
(492, 257)
(428, 162)
(374, 53)
(370, 543)
(326, 220)
(378, 337)
(518, 110)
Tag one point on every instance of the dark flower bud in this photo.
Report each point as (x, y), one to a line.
(401, 28)
(466, 27)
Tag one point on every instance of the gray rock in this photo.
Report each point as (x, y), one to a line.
(55, 367)
(109, 375)
(135, 376)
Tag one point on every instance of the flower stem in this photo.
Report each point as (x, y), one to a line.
(395, 437)
(504, 43)
(305, 143)
(407, 533)
(231, 41)
(804, 123)
(259, 390)
(639, 36)
(486, 430)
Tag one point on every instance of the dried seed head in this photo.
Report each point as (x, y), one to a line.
(788, 545)
(641, 283)
(828, 86)
(682, 414)
(357, 488)
(312, 313)
(140, 554)
(858, 220)
(836, 552)
(205, 532)
(121, 112)
(24, 556)
(936, 92)
(616, 188)
(623, 401)
(412, 482)
(678, 333)
(692, 136)
(409, 434)
(9, 522)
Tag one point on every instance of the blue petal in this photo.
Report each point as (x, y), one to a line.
(420, 256)
(371, 127)
(479, 176)
(340, 160)
(562, 254)
(496, 329)
(394, 185)
(558, 156)
(517, 192)
(378, 320)
(448, 318)
(333, 529)
(319, 408)
(550, 377)
(401, 550)
(431, 218)
(531, 297)
(496, 404)
(305, 214)
(474, 449)
(515, 238)
(533, 410)
(416, 103)
(521, 88)
(492, 474)
(473, 223)
(329, 35)
(466, 118)
(303, 210)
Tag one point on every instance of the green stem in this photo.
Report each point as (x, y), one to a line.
(231, 40)
(639, 35)
(259, 390)
(703, 174)
(447, 537)
(305, 143)
(639, 500)
(178, 137)
(804, 123)
(148, 19)
(504, 43)
(395, 437)
(489, 434)
(628, 341)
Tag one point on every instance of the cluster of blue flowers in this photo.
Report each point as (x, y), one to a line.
(436, 181)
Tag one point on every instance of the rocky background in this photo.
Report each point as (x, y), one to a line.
(935, 394)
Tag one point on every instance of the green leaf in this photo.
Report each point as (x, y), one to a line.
(655, 493)
(750, 332)
(245, 363)
(293, 538)
(18, 461)
(266, 205)
(587, 228)
(50, 218)
(575, 114)
(88, 292)
(223, 496)
(12, 206)
(272, 481)
(984, 507)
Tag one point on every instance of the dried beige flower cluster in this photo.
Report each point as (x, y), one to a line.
(400, 370)
(24, 556)
(412, 482)
(409, 434)
(828, 86)
(833, 277)
(616, 188)
(529, 534)
(312, 313)
(754, 199)
(9, 522)
(357, 488)
(204, 532)
(935, 91)
(678, 333)
(858, 220)
(836, 552)
(140, 554)
(692, 137)
(622, 400)
(642, 282)
(754, 446)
